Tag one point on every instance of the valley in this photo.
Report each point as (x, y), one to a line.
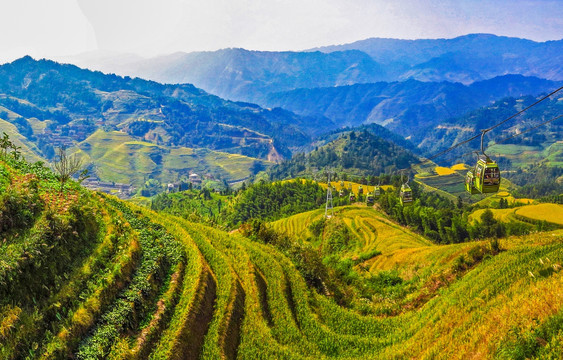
(376, 199)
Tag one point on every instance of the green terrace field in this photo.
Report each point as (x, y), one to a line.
(521, 155)
(116, 156)
(450, 182)
(87, 276)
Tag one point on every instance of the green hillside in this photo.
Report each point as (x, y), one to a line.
(28, 149)
(85, 275)
(514, 151)
(165, 130)
(354, 152)
(119, 157)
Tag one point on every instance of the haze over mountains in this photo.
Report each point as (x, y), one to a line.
(405, 107)
(240, 74)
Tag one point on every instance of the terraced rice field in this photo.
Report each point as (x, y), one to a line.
(108, 279)
(440, 170)
(121, 158)
(400, 248)
(552, 213)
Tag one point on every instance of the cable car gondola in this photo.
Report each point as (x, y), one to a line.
(377, 191)
(370, 198)
(341, 193)
(485, 177)
(406, 194)
(352, 197)
(360, 190)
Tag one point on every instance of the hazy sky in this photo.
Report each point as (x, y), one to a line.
(51, 28)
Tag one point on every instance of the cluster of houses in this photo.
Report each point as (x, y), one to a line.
(193, 178)
(126, 191)
(123, 191)
(58, 138)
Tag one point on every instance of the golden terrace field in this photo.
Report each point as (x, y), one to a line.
(107, 279)
(551, 213)
(469, 317)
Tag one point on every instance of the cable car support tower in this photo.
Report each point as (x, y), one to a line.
(329, 212)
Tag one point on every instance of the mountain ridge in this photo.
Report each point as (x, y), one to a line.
(401, 105)
(244, 76)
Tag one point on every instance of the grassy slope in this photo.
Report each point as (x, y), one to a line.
(28, 149)
(521, 155)
(121, 158)
(228, 297)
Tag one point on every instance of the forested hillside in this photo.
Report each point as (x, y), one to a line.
(358, 153)
(407, 107)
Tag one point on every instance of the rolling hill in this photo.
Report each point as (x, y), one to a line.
(177, 128)
(85, 275)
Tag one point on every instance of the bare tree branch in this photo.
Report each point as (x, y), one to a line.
(67, 166)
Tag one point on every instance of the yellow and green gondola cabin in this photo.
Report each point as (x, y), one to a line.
(485, 178)
(406, 195)
(370, 200)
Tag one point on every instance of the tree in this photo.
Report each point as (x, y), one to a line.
(490, 227)
(67, 166)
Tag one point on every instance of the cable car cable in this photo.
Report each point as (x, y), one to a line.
(511, 136)
(483, 131)
(527, 130)
(525, 109)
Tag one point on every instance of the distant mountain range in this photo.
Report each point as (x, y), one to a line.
(405, 107)
(463, 59)
(244, 75)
